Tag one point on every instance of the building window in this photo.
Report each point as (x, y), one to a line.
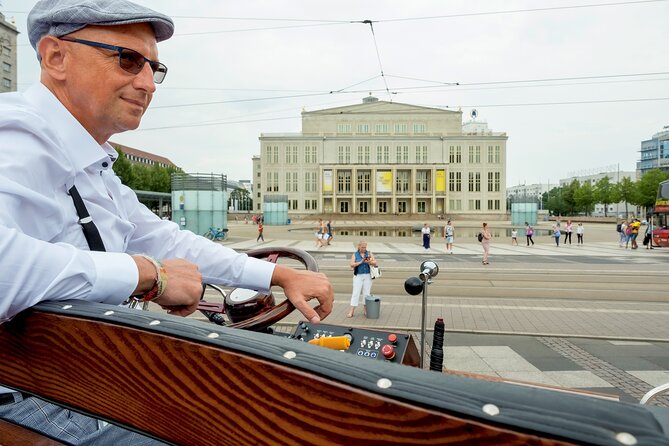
(292, 205)
(419, 127)
(310, 182)
(422, 181)
(344, 128)
(421, 154)
(494, 181)
(344, 154)
(402, 181)
(493, 205)
(311, 205)
(402, 207)
(420, 207)
(474, 205)
(362, 207)
(6, 51)
(7, 83)
(6, 67)
(381, 128)
(363, 154)
(382, 154)
(455, 181)
(310, 154)
(343, 207)
(383, 207)
(272, 182)
(474, 154)
(291, 181)
(364, 181)
(363, 128)
(455, 154)
(494, 155)
(344, 181)
(455, 205)
(291, 154)
(401, 128)
(402, 154)
(474, 181)
(272, 155)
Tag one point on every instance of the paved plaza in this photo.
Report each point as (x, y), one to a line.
(589, 317)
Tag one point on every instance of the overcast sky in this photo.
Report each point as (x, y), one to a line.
(576, 86)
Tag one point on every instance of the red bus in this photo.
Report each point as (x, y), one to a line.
(661, 215)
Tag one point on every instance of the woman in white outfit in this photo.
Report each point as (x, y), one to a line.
(362, 281)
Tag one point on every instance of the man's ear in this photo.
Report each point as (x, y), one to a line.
(52, 56)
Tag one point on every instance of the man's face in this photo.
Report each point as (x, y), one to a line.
(103, 97)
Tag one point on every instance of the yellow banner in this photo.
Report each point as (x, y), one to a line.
(384, 181)
(327, 181)
(440, 185)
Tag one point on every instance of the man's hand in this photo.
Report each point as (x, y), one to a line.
(184, 284)
(302, 286)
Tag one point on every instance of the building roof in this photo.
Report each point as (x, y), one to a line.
(380, 107)
(142, 154)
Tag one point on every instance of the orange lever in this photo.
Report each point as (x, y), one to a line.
(333, 342)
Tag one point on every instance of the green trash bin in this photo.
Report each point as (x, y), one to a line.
(373, 306)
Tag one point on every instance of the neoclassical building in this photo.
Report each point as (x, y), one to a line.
(382, 157)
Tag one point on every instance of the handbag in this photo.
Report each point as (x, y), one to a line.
(374, 271)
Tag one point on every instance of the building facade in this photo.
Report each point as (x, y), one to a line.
(614, 178)
(8, 62)
(140, 157)
(654, 152)
(382, 157)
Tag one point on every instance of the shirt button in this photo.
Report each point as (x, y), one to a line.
(105, 164)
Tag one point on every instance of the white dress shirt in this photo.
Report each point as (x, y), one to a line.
(43, 252)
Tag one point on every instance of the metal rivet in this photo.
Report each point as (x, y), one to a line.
(290, 354)
(384, 383)
(212, 335)
(491, 410)
(67, 307)
(156, 322)
(626, 439)
(109, 313)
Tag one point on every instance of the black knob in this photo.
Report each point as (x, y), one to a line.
(413, 286)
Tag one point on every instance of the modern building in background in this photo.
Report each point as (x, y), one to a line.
(615, 176)
(388, 158)
(140, 157)
(524, 192)
(8, 61)
(654, 152)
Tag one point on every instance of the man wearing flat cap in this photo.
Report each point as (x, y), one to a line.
(68, 228)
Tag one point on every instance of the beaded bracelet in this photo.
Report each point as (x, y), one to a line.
(160, 284)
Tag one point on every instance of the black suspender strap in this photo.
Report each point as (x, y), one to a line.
(90, 230)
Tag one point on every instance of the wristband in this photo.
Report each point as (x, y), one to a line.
(159, 285)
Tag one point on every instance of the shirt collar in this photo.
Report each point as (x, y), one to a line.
(76, 143)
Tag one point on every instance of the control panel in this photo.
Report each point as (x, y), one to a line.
(373, 344)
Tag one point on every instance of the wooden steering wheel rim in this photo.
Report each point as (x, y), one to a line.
(276, 313)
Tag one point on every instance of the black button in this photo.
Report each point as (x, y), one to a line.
(105, 164)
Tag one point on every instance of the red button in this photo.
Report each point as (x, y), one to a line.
(388, 351)
(392, 338)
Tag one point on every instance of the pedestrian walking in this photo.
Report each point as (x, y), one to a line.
(622, 233)
(579, 233)
(448, 235)
(514, 237)
(529, 232)
(362, 280)
(485, 242)
(329, 231)
(261, 228)
(556, 235)
(426, 237)
(567, 232)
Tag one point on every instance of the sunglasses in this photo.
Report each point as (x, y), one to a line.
(129, 60)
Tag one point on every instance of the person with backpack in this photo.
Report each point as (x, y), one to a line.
(529, 232)
(484, 238)
(361, 260)
(622, 228)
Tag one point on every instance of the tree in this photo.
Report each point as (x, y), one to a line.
(555, 203)
(242, 197)
(123, 168)
(625, 191)
(568, 196)
(647, 188)
(584, 198)
(603, 193)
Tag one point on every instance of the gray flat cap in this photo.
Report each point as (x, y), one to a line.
(61, 17)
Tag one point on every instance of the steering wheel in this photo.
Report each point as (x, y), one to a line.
(250, 310)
